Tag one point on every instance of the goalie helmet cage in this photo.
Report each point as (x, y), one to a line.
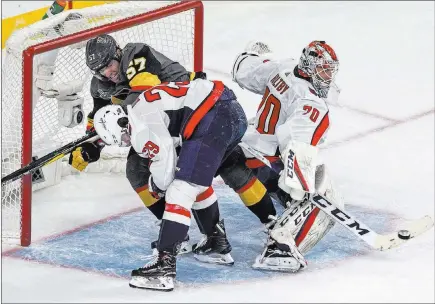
(173, 28)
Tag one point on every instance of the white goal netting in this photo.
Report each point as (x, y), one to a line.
(172, 34)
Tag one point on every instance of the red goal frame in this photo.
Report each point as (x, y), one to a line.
(30, 52)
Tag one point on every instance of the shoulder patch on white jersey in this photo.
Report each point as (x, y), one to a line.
(304, 89)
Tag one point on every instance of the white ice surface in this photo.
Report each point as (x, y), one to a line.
(387, 68)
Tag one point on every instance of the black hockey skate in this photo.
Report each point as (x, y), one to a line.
(214, 248)
(158, 274)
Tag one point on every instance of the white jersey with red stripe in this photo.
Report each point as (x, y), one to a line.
(163, 116)
(290, 108)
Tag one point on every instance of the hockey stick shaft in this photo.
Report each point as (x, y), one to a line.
(49, 158)
(358, 228)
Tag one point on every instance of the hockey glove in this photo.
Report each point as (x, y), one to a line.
(154, 190)
(83, 155)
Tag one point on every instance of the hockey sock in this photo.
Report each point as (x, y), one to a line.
(256, 198)
(157, 207)
(207, 218)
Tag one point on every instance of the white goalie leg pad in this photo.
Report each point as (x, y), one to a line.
(308, 223)
(298, 176)
(321, 222)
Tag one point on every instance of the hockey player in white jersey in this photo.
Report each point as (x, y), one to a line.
(205, 119)
(291, 122)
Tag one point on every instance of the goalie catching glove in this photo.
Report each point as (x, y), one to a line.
(83, 155)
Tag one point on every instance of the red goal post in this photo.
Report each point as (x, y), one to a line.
(28, 55)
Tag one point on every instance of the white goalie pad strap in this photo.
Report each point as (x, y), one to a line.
(298, 176)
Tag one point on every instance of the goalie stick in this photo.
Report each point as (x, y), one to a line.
(49, 158)
(358, 228)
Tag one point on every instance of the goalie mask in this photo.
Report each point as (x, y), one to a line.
(319, 62)
(100, 51)
(111, 124)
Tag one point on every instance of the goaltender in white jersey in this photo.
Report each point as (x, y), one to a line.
(292, 107)
(291, 122)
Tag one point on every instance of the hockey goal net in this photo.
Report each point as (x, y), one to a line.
(30, 125)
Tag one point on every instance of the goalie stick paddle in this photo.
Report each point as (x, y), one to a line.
(49, 158)
(358, 228)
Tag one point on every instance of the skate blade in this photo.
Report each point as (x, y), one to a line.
(215, 258)
(268, 264)
(157, 283)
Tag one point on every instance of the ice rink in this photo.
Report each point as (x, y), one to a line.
(91, 230)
